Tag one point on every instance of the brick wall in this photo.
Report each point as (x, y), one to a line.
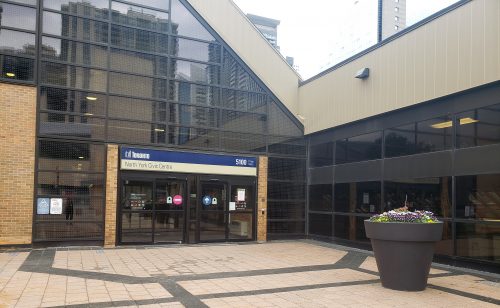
(111, 195)
(262, 199)
(17, 162)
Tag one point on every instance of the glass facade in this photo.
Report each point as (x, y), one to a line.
(144, 73)
(447, 164)
(152, 74)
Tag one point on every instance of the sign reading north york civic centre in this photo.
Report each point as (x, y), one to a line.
(170, 161)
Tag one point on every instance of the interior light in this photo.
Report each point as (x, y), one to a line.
(10, 74)
(464, 121)
(88, 114)
(91, 98)
(81, 157)
(159, 130)
(442, 124)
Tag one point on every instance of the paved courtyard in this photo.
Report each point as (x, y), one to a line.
(274, 274)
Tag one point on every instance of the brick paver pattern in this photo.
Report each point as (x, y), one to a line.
(273, 274)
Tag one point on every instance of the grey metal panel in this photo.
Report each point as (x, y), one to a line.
(419, 166)
(478, 160)
(321, 175)
(359, 172)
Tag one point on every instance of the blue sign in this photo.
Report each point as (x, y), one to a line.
(136, 154)
(207, 200)
(43, 206)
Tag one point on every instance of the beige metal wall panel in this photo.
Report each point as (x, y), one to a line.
(235, 29)
(455, 52)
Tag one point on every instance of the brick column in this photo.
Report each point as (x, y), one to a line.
(111, 195)
(17, 162)
(262, 199)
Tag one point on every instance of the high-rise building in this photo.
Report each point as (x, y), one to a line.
(369, 22)
(268, 27)
(392, 18)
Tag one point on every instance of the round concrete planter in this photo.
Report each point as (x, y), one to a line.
(403, 252)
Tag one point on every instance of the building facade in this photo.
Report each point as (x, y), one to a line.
(162, 122)
(268, 27)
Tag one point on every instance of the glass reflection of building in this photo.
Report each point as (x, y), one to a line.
(131, 75)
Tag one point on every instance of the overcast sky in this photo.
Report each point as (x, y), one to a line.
(309, 29)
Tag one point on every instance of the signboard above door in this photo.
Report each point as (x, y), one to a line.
(170, 161)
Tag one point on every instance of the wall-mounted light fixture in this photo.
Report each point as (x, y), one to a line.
(363, 73)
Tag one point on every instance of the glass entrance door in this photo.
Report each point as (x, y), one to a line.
(137, 211)
(241, 212)
(213, 211)
(169, 213)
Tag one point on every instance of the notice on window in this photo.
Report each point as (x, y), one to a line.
(232, 206)
(43, 206)
(56, 206)
(241, 195)
(366, 198)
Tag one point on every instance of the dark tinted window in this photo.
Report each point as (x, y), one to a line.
(67, 126)
(195, 72)
(321, 155)
(479, 127)
(137, 109)
(134, 132)
(286, 210)
(243, 142)
(137, 86)
(193, 115)
(235, 75)
(16, 68)
(280, 123)
(139, 17)
(364, 147)
(320, 197)
(16, 42)
(243, 122)
(73, 76)
(141, 40)
(16, 16)
(185, 24)
(359, 148)
(400, 141)
(74, 52)
(194, 50)
(68, 156)
(189, 93)
(29, 2)
(434, 135)
(477, 240)
(287, 145)
(287, 169)
(75, 27)
(193, 137)
(157, 4)
(86, 103)
(478, 196)
(349, 228)
(286, 191)
(429, 194)
(320, 224)
(138, 63)
(362, 197)
(280, 229)
(90, 8)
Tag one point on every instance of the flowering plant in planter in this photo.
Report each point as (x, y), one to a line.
(404, 215)
(403, 245)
